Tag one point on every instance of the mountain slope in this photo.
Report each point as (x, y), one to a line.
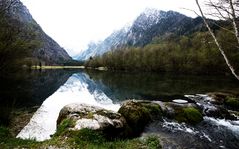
(23, 39)
(115, 40)
(148, 25)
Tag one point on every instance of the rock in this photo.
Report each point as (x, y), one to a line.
(112, 124)
(189, 115)
(219, 112)
(214, 105)
(232, 103)
(219, 97)
(138, 114)
(102, 68)
(180, 101)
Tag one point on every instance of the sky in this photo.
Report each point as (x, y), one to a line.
(75, 23)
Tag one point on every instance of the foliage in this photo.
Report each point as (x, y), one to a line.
(195, 53)
(17, 41)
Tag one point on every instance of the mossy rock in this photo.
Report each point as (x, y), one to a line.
(233, 103)
(139, 114)
(189, 115)
(78, 116)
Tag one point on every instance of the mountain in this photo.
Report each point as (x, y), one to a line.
(115, 40)
(23, 39)
(148, 25)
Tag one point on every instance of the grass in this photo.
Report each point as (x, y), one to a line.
(84, 139)
(7, 141)
(63, 128)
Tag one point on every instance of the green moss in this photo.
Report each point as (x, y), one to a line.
(189, 115)
(90, 115)
(139, 114)
(154, 110)
(136, 116)
(232, 103)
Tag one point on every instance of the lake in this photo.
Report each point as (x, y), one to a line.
(50, 90)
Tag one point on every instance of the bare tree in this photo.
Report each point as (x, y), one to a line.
(226, 10)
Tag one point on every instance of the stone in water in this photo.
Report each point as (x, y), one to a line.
(180, 101)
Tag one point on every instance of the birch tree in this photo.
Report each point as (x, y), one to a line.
(225, 10)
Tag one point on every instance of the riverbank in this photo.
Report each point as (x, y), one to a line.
(190, 113)
(84, 139)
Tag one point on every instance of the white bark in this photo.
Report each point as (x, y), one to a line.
(233, 13)
(217, 43)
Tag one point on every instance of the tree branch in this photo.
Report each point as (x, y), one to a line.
(217, 43)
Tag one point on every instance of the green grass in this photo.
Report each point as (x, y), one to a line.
(7, 141)
(153, 142)
(84, 139)
(63, 127)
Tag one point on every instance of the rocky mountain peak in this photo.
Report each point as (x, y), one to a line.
(149, 24)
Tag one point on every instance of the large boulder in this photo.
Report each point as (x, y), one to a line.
(112, 124)
(138, 114)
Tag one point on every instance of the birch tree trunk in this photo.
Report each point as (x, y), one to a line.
(217, 43)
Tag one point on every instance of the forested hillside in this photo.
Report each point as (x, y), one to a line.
(23, 42)
(193, 53)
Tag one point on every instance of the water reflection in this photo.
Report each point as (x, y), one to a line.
(77, 89)
(154, 86)
(53, 89)
(27, 89)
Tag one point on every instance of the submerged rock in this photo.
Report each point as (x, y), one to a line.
(92, 117)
